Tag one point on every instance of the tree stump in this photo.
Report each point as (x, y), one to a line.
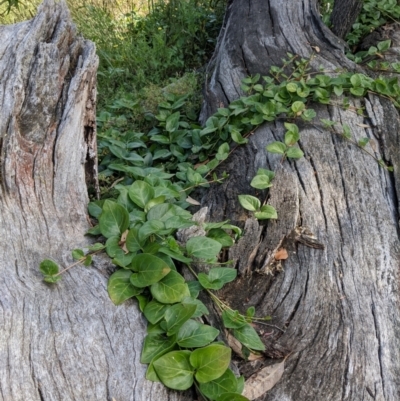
(338, 306)
(66, 341)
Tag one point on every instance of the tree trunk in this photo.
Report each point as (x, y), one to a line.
(338, 306)
(66, 341)
(343, 16)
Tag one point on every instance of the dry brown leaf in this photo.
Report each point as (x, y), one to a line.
(262, 381)
(122, 242)
(255, 357)
(281, 254)
(234, 344)
(192, 201)
(237, 347)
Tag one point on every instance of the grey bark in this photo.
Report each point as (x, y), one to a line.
(66, 341)
(343, 16)
(338, 306)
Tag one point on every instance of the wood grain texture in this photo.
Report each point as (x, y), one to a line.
(67, 341)
(339, 306)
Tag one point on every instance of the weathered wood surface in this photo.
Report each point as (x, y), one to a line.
(339, 306)
(66, 341)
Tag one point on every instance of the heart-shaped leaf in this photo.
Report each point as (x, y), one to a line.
(120, 288)
(149, 268)
(174, 370)
(114, 219)
(210, 362)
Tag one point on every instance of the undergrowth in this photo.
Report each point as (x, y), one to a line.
(150, 235)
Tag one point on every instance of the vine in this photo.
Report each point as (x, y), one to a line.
(144, 221)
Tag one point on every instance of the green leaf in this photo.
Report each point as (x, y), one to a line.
(266, 212)
(172, 122)
(132, 241)
(231, 397)
(171, 289)
(112, 247)
(346, 131)
(297, 107)
(217, 277)
(156, 345)
(249, 337)
(203, 247)
(201, 309)
(177, 222)
(327, 123)
(48, 267)
(150, 269)
(385, 45)
(114, 219)
(88, 261)
(78, 254)
(270, 174)
(207, 283)
(218, 234)
(224, 148)
(194, 334)
(153, 202)
(224, 112)
(155, 328)
(292, 127)
(120, 288)
(240, 384)
(174, 370)
(96, 247)
(51, 279)
(175, 255)
(123, 259)
(176, 315)
(167, 259)
(291, 87)
(227, 383)
(303, 92)
(165, 211)
(224, 274)
(291, 138)
(261, 182)
(362, 142)
(151, 374)
(251, 312)
(357, 91)
(210, 362)
(154, 311)
(95, 208)
(276, 147)
(233, 319)
(249, 202)
(294, 153)
(308, 115)
(142, 300)
(194, 288)
(149, 228)
(223, 152)
(141, 193)
(237, 136)
(338, 90)
(94, 231)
